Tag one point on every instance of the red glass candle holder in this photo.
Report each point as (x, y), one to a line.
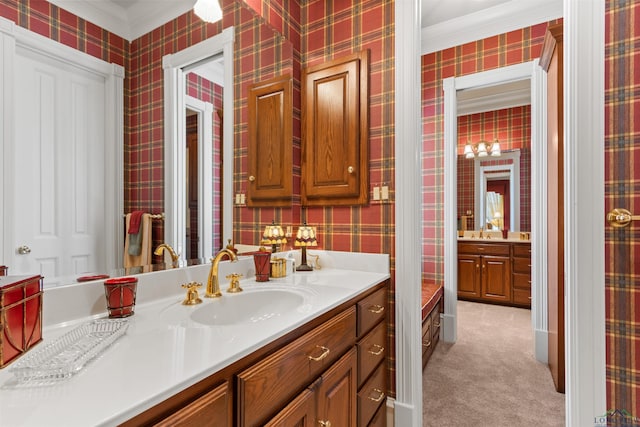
(262, 261)
(121, 296)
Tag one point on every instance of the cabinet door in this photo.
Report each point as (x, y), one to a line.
(301, 412)
(469, 276)
(336, 393)
(496, 278)
(270, 143)
(335, 127)
(212, 409)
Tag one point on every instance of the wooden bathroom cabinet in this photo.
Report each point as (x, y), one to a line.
(335, 132)
(331, 369)
(270, 181)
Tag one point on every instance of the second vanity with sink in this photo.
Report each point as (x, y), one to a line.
(308, 346)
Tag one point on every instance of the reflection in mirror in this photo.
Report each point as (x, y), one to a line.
(500, 177)
(208, 64)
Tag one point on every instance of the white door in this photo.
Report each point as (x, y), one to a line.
(58, 206)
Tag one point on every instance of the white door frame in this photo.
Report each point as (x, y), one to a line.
(12, 37)
(204, 110)
(174, 136)
(524, 71)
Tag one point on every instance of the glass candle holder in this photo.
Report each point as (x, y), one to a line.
(120, 293)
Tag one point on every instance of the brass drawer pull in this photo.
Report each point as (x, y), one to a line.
(325, 353)
(377, 309)
(379, 350)
(426, 344)
(324, 423)
(379, 397)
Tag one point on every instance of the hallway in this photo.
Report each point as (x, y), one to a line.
(490, 376)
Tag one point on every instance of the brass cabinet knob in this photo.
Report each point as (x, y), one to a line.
(324, 423)
(252, 178)
(350, 169)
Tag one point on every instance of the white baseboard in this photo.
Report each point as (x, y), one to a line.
(448, 328)
(391, 402)
(403, 414)
(541, 345)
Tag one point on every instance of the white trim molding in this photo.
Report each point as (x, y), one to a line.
(499, 19)
(408, 132)
(451, 85)
(13, 37)
(584, 210)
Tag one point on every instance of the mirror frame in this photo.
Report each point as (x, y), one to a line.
(174, 131)
(480, 190)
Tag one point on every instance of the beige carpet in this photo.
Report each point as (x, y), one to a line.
(489, 377)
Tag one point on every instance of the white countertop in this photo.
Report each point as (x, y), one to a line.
(164, 351)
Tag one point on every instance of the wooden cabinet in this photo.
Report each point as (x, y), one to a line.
(271, 383)
(335, 132)
(497, 272)
(270, 143)
(211, 409)
(484, 272)
(332, 369)
(431, 330)
(521, 274)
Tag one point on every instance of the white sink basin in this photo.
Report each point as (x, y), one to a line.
(248, 307)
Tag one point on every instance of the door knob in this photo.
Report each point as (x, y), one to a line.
(23, 250)
(620, 217)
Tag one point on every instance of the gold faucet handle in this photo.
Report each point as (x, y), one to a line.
(192, 297)
(234, 285)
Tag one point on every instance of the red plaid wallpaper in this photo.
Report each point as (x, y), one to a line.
(50, 21)
(512, 128)
(622, 190)
(498, 51)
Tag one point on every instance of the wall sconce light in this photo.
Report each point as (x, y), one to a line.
(208, 10)
(306, 237)
(273, 235)
(482, 149)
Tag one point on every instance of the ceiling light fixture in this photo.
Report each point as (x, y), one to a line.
(208, 10)
(482, 149)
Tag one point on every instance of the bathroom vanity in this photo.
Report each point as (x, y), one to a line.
(312, 348)
(495, 271)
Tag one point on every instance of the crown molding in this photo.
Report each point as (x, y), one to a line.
(129, 23)
(488, 22)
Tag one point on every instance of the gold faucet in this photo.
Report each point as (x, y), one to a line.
(213, 286)
(174, 256)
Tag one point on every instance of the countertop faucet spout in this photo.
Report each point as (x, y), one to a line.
(213, 286)
(166, 247)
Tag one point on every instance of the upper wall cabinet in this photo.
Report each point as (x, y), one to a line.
(270, 143)
(335, 132)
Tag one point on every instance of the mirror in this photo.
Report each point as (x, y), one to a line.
(262, 53)
(508, 174)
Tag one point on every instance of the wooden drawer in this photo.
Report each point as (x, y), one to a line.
(371, 310)
(522, 265)
(522, 250)
(484, 249)
(371, 396)
(435, 326)
(380, 418)
(427, 340)
(522, 297)
(371, 351)
(268, 385)
(521, 281)
(214, 408)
